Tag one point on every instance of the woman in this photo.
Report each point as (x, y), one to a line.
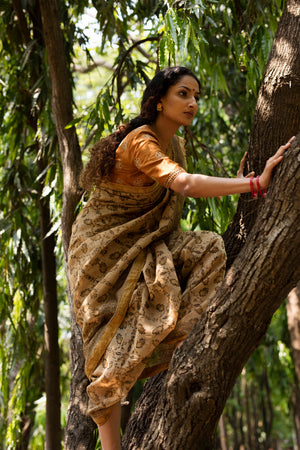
(139, 282)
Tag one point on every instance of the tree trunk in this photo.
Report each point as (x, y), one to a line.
(205, 368)
(79, 431)
(240, 439)
(52, 365)
(246, 407)
(296, 414)
(267, 408)
(236, 418)
(63, 114)
(223, 434)
(277, 118)
(254, 413)
(293, 315)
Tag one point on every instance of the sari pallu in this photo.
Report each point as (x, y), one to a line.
(139, 284)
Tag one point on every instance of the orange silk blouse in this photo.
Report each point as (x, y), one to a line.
(140, 160)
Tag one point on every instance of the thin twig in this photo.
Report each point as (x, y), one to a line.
(216, 162)
(117, 73)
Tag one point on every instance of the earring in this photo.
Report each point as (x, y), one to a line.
(159, 107)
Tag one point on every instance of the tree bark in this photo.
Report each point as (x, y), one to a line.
(62, 103)
(79, 430)
(52, 364)
(277, 118)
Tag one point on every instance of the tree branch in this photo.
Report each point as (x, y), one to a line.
(118, 71)
(22, 21)
(93, 66)
(215, 161)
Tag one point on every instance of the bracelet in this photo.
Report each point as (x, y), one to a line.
(262, 194)
(253, 192)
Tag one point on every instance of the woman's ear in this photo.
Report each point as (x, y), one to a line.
(159, 107)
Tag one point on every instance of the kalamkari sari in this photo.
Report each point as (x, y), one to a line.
(139, 282)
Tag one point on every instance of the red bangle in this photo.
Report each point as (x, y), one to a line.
(253, 193)
(262, 194)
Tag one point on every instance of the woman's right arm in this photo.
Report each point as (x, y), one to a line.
(197, 185)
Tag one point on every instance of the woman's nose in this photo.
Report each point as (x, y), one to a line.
(193, 103)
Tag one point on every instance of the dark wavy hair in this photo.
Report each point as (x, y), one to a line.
(102, 154)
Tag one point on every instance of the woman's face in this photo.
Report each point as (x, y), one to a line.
(179, 105)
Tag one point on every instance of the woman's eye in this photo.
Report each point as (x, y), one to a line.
(182, 93)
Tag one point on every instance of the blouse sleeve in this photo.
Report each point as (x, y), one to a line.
(148, 157)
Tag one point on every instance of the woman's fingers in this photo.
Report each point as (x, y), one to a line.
(242, 165)
(270, 164)
(277, 157)
(273, 161)
(282, 148)
(244, 158)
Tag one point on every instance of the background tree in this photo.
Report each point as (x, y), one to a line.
(293, 314)
(24, 127)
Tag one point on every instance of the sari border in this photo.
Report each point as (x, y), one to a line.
(130, 189)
